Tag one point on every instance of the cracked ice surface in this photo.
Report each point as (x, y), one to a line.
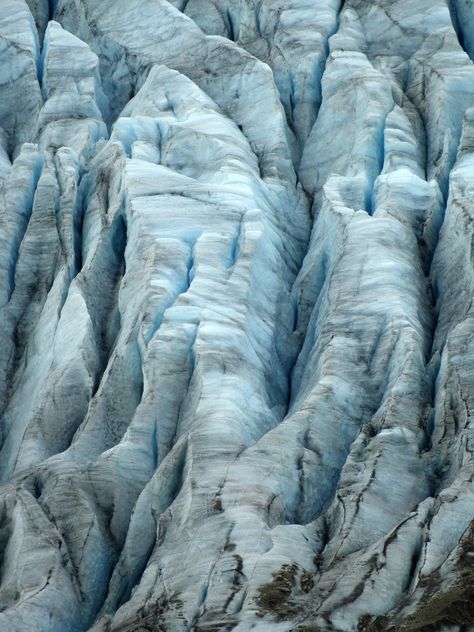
(236, 281)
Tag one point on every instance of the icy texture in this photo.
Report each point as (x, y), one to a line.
(236, 315)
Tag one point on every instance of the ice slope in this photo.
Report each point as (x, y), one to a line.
(236, 289)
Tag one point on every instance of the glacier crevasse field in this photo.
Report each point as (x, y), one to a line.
(236, 315)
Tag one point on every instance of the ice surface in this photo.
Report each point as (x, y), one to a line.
(236, 281)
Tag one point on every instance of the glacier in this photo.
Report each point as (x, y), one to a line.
(236, 315)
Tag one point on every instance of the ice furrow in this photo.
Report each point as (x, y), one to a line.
(269, 31)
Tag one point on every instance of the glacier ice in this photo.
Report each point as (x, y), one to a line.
(236, 284)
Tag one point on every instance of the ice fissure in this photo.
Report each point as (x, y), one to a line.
(236, 281)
